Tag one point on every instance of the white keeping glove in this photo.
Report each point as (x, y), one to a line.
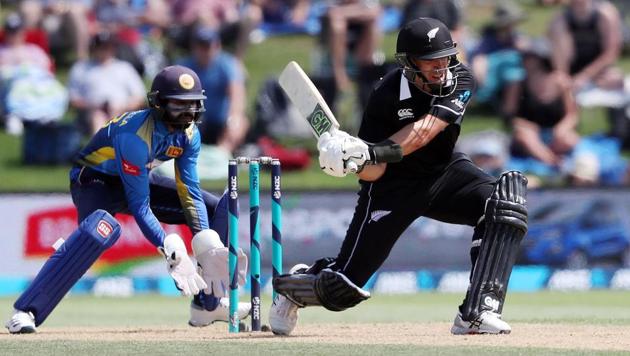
(331, 156)
(180, 266)
(212, 259)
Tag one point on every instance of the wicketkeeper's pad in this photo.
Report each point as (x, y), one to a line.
(95, 234)
(328, 288)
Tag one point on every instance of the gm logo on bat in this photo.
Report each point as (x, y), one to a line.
(319, 121)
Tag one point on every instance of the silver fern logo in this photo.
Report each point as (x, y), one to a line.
(431, 34)
(378, 214)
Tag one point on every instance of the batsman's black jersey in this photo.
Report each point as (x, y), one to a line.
(395, 103)
(433, 181)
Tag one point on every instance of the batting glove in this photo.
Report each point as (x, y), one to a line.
(355, 150)
(331, 156)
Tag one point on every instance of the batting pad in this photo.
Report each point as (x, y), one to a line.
(506, 225)
(96, 233)
(328, 288)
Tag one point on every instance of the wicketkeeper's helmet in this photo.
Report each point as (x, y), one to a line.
(180, 83)
(426, 39)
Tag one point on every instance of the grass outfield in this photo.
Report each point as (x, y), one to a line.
(560, 323)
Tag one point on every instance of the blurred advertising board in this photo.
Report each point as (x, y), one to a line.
(571, 229)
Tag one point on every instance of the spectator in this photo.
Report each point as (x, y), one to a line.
(285, 17)
(496, 61)
(15, 51)
(65, 23)
(103, 85)
(28, 89)
(31, 14)
(545, 141)
(350, 32)
(587, 39)
(544, 126)
(232, 19)
(224, 122)
(211, 13)
(236, 34)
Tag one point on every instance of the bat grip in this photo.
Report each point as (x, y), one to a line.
(352, 167)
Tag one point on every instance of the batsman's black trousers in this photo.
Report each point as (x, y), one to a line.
(457, 194)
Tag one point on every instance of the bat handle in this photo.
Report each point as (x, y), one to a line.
(352, 166)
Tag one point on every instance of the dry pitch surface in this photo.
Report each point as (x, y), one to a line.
(555, 336)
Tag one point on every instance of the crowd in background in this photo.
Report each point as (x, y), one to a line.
(110, 49)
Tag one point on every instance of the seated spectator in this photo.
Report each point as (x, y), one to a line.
(545, 142)
(587, 40)
(544, 127)
(496, 60)
(31, 13)
(350, 33)
(234, 20)
(65, 23)
(15, 51)
(103, 85)
(30, 94)
(284, 16)
(224, 121)
(25, 74)
(138, 26)
(588, 37)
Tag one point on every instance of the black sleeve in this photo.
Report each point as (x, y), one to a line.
(375, 125)
(451, 108)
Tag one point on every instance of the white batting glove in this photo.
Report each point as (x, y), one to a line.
(180, 266)
(212, 259)
(355, 150)
(331, 156)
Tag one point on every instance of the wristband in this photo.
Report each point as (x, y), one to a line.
(386, 151)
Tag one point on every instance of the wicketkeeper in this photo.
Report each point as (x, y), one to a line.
(414, 115)
(112, 175)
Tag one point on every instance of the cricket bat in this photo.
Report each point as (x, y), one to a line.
(309, 102)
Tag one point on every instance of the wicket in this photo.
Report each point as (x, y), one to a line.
(254, 233)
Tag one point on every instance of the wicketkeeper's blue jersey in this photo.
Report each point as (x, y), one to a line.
(133, 143)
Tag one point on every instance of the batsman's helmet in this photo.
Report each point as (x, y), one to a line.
(425, 39)
(179, 83)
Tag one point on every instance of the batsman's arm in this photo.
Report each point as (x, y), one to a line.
(408, 139)
(418, 134)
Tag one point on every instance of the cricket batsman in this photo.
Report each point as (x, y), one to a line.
(112, 175)
(414, 116)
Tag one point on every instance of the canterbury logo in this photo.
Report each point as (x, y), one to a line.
(405, 114)
(431, 34)
(378, 214)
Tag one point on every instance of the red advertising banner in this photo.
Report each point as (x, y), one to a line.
(47, 226)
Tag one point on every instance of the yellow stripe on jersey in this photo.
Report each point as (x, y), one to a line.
(188, 205)
(101, 155)
(145, 132)
(189, 131)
